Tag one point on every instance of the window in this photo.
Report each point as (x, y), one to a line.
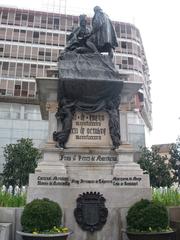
(55, 39)
(31, 89)
(49, 39)
(1, 50)
(16, 35)
(2, 33)
(35, 34)
(33, 70)
(118, 59)
(31, 18)
(54, 55)
(5, 15)
(48, 55)
(5, 66)
(17, 88)
(22, 36)
(63, 23)
(75, 20)
(43, 21)
(34, 54)
(26, 70)
(7, 50)
(10, 88)
(12, 69)
(41, 54)
(21, 52)
(138, 51)
(69, 23)
(124, 45)
(27, 52)
(137, 33)
(9, 33)
(11, 18)
(19, 70)
(128, 27)
(62, 40)
(50, 20)
(123, 29)
(3, 84)
(24, 91)
(129, 45)
(37, 21)
(56, 23)
(40, 71)
(130, 61)
(117, 29)
(14, 51)
(18, 16)
(124, 63)
(29, 37)
(35, 37)
(24, 17)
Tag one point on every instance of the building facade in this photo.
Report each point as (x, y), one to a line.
(30, 42)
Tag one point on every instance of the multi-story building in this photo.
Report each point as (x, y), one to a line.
(30, 42)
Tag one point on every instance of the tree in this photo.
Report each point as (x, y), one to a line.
(156, 166)
(20, 160)
(174, 160)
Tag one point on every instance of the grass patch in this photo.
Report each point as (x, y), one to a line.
(167, 196)
(9, 200)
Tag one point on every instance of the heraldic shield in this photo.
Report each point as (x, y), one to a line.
(91, 213)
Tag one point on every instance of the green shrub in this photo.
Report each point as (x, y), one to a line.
(41, 215)
(147, 216)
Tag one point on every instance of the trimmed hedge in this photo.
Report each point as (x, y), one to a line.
(41, 215)
(147, 216)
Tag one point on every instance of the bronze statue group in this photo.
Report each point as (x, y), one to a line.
(97, 39)
(100, 38)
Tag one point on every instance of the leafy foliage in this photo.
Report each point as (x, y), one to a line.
(156, 166)
(20, 160)
(166, 196)
(41, 215)
(175, 160)
(147, 216)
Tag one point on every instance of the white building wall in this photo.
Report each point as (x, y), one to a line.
(20, 121)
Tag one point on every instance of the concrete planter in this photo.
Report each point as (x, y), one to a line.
(174, 213)
(174, 217)
(11, 215)
(152, 236)
(30, 236)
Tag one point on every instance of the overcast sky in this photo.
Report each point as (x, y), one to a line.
(158, 22)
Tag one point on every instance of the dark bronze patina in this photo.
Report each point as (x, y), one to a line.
(88, 80)
(91, 213)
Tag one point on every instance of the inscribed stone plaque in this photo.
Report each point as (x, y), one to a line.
(90, 130)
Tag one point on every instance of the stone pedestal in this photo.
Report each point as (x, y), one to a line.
(87, 165)
(76, 170)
